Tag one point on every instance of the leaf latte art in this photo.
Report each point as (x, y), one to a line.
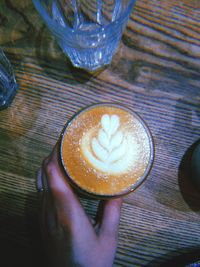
(110, 148)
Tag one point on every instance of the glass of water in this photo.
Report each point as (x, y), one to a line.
(8, 84)
(88, 31)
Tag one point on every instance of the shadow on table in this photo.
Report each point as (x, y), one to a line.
(20, 239)
(182, 260)
(21, 243)
(189, 191)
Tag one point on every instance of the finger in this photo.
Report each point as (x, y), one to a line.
(49, 214)
(49, 230)
(41, 196)
(92, 221)
(56, 181)
(69, 209)
(43, 213)
(39, 183)
(110, 218)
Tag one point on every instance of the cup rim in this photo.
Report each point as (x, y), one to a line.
(65, 30)
(139, 181)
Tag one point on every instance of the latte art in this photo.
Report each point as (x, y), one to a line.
(106, 150)
(113, 150)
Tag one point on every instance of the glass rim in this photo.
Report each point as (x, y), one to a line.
(65, 30)
(139, 180)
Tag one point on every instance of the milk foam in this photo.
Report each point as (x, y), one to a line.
(110, 148)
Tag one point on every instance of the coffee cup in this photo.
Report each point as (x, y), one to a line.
(106, 150)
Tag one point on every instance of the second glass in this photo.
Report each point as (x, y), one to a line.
(8, 84)
(88, 31)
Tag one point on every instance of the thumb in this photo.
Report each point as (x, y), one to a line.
(68, 207)
(109, 218)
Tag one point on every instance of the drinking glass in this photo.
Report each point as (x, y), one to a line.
(8, 84)
(195, 165)
(88, 31)
(92, 137)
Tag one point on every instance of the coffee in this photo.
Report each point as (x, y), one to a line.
(106, 150)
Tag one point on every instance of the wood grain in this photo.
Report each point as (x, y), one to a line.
(155, 72)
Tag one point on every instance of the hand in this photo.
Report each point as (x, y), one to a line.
(71, 238)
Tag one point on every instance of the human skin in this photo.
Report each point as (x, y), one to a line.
(71, 238)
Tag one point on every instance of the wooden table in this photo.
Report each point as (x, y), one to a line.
(156, 71)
